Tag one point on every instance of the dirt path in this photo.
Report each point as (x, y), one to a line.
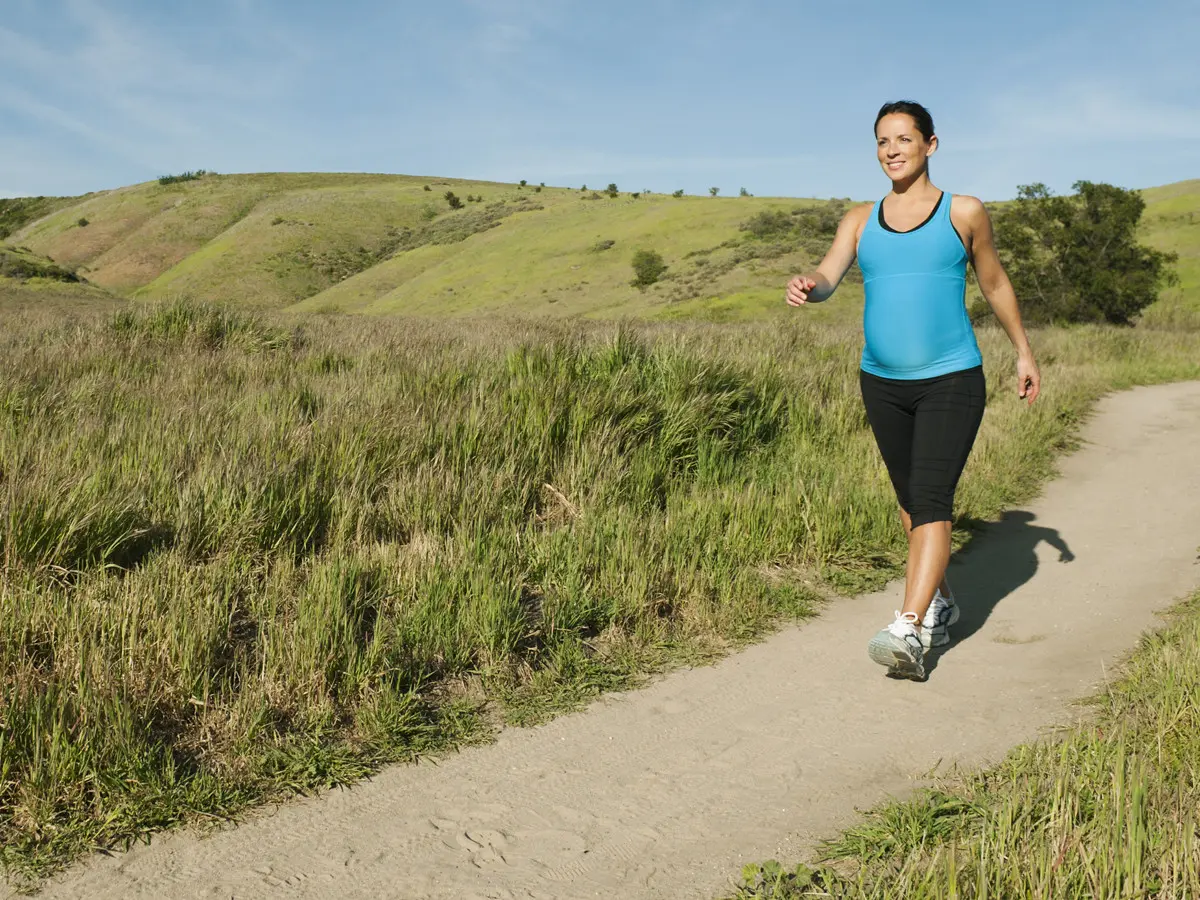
(666, 792)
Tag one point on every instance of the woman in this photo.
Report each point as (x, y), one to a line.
(922, 374)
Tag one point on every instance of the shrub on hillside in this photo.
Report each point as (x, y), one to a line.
(611, 190)
(428, 188)
(184, 176)
(744, 193)
(601, 246)
(1076, 258)
(648, 267)
(714, 191)
(83, 222)
(635, 195)
(677, 194)
(452, 199)
(22, 268)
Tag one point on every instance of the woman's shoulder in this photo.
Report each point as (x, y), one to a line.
(966, 205)
(967, 210)
(858, 213)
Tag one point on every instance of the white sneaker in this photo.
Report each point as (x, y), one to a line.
(898, 647)
(935, 627)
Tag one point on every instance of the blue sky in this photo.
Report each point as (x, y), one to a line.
(776, 97)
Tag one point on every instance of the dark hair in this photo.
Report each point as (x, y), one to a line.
(920, 115)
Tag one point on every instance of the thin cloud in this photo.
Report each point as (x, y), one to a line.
(1078, 112)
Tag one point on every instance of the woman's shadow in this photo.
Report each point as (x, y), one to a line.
(999, 559)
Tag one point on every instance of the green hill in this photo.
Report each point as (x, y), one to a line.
(1172, 222)
(30, 283)
(392, 244)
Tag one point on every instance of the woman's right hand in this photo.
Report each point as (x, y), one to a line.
(798, 290)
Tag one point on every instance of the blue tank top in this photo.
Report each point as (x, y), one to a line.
(915, 320)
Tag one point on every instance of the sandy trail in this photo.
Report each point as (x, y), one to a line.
(666, 792)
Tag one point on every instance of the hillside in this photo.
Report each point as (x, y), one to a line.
(1172, 223)
(30, 283)
(392, 244)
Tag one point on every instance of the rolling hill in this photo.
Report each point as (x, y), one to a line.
(388, 244)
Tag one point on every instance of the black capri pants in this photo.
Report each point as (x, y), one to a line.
(925, 429)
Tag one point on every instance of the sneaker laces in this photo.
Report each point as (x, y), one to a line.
(905, 624)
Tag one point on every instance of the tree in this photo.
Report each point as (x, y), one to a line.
(648, 267)
(678, 194)
(523, 182)
(1076, 258)
(744, 193)
(714, 191)
(453, 200)
(611, 190)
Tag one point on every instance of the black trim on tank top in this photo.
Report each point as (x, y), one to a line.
(929, 218)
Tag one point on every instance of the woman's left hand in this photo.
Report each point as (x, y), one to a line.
(1029, 379)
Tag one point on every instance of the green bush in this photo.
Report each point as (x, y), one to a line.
(83, 222)
(648, 267)
(184, 176)
(678, 194)
(22, 267)
(1076, 258)
(611, 190)
(452, 199)
(744, 193)
(714, 191)
(601, 246)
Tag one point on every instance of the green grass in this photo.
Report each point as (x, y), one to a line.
(1110, 810)
(18, 212)
(245, 557)
(33, 286)
(363, 244)
(1172, 223)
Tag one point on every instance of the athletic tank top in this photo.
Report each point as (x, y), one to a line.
(915, 321)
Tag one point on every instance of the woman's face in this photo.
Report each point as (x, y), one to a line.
(902, 149)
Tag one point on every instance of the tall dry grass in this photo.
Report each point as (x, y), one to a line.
(245, 557)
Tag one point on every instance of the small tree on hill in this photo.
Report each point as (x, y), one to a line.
(1076, 258)
(744, 193)
(611, 190)
(648, 267)
(714, 191)
(678, 194)
(453, 200)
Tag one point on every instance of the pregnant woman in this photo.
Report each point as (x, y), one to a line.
(922, 374)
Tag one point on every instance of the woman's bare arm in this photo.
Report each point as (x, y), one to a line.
(998, 291)
(818, 285)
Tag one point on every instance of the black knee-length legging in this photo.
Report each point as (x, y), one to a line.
(925, 429)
